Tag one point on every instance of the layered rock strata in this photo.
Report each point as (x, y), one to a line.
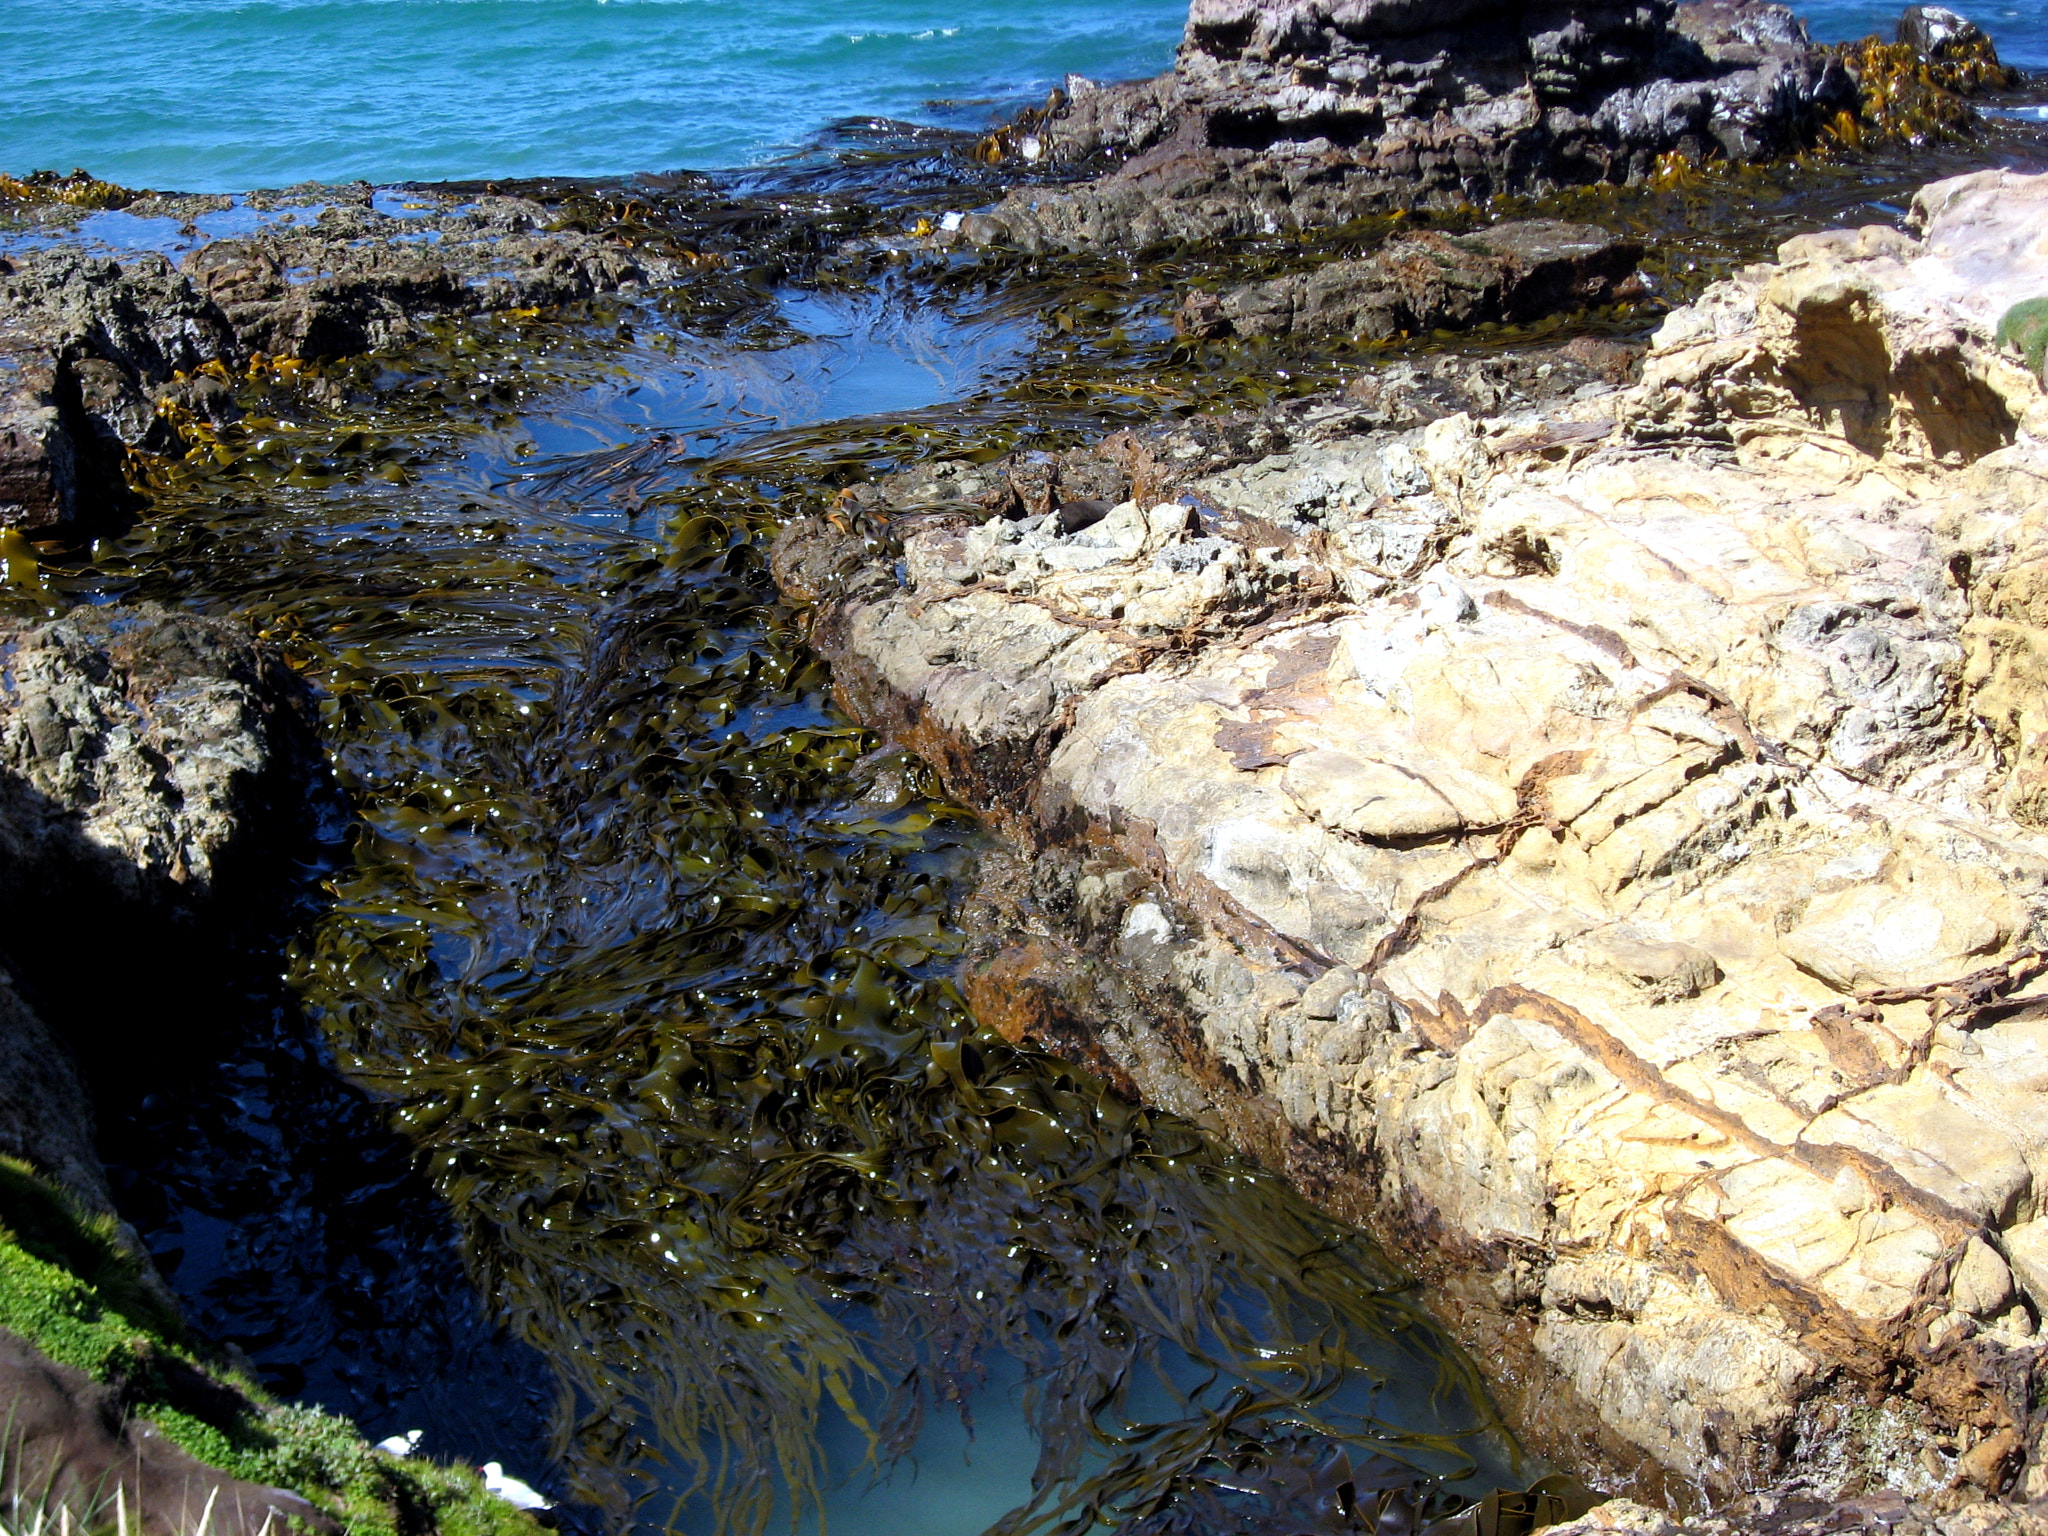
(1603, 843)
(103, 353)
(1293, 114)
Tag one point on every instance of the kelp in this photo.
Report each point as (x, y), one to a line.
(78, 189)
(1913, 99)
(648, 949)
(649, 952)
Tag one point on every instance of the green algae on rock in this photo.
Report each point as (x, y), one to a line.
(2025, 326)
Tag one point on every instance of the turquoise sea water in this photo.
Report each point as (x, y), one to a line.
(220, 95)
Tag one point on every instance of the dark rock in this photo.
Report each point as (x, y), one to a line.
(38, 462)
(1291, 114)
(1935, 32)
(98, 343)
(72, 1446)
(1073, 516)
(46, 1117)
(143, 753)
(150, 762)
(1510, 273)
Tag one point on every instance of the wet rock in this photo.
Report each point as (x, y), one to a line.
(1935, 32)
(1661, 761)
(143, 754)
(1510, 273)
(1282, 116)
(94, 345)
(149, 761)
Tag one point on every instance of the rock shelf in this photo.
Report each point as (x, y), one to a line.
(1601, 840)
(107, 353)
(1294, 116)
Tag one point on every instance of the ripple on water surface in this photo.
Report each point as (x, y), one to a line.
(222, 95)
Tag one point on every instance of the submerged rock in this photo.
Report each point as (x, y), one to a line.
(1658, 774)
(107, 354)
(1281, 115)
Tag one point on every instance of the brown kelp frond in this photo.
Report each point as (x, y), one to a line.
(78, 189)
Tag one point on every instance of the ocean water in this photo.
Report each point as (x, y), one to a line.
(220, 95)
(2018, 27)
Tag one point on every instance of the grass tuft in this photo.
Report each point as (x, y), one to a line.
(70, 1289)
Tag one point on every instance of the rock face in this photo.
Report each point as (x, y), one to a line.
(99, 346)
(71, 1445)
(150, 762)
(1287, 114)
(147, 760)
(1604, 844)
(141, 751)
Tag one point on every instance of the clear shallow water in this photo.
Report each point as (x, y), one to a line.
(220, 95)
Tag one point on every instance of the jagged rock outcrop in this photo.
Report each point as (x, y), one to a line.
(1605, 844)
(107, 352)
(1293, 114)
(148, 760)
(141, 752)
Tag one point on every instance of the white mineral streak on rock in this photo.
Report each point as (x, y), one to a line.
(1630, 737)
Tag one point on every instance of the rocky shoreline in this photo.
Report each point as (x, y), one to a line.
(1576, 809)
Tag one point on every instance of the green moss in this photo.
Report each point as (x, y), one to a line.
(2026, 326)
(68, 1287)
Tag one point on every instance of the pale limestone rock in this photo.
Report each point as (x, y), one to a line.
(2026, 1245)
(1871, 936)
(1636, 767)
(1981, 1284)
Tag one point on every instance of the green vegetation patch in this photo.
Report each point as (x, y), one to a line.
(2026, 326)
(69, 1288)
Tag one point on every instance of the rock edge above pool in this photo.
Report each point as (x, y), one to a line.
(1603, 843)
